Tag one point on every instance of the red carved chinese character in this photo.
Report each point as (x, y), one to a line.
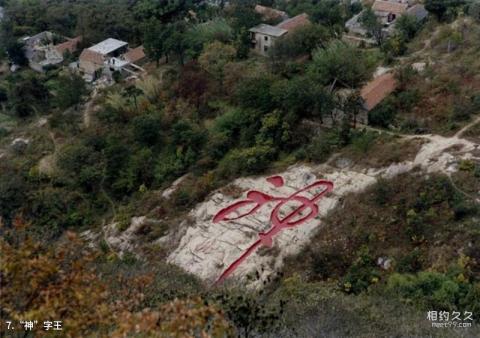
(257, 199)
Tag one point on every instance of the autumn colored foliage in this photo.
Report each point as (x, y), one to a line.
(60, 283)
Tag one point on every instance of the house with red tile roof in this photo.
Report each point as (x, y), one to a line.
(377, 90)
(270, 14)
(71, 45)
(263, 36)
(108, 57)
(294, 23)
(387, 11)
(90, 63)
(135, 55)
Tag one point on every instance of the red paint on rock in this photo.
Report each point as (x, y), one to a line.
(257, 199)
(276, 181)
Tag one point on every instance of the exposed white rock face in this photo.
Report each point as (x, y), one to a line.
(124, 241)
(207, 248)
(19, 144)
(167, 193)
(419, 66)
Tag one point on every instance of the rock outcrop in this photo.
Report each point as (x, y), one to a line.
(207, 248)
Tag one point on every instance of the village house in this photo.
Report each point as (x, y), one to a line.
(109, 56)
(69, 46)
(375, 91)
(371, 95)
(47, 49)
(270, 14)
(90, 64)
(263, 36)
(388, 11)
(104, 55)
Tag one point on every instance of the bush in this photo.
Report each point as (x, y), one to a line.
(407, 26)
(474, 10)
(334, 63)
(321, 147)
(383, 115)
(246, 161)
(255, 93)
(382, 192)
(443, 9)
(146, 129)
(363, 141)
(433, 290)
(410, 263)
(361, 274)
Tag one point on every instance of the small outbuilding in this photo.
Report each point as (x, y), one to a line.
(135, 55)
(377, 90)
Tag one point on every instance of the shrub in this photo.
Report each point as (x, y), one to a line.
(334, 63)
(255, 93)
(146, 129)
(432, 290)
(411, 262)
(246, 161)
(382, 192)
(363, 141)
(361, 274)
(321, 147)
(383, 115)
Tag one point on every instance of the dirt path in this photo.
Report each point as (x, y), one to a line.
(89, 110)
(468, 126)
(46, 165)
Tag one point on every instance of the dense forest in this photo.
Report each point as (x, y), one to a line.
(75, 157)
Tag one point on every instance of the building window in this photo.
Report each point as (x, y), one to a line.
(266, 38)
(265, 48)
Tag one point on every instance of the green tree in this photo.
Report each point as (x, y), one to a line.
(275, 131)
(13, 188)
(175, 41)
(249, 313)
(133, 92)
(352, 105)
(154, 40)
(302, 41)
(255, 93)
(146, 129)
(214, 57)
(383, 115)
(328, 13)
(16, 54)
(204, 33)
(28, 95)
(334, 66)
(407, 26)
(243, 17)
(440, 8)
(246, 161)
(297, 95)
(69, 90)
(163, 10)
(474, 10)
(372, 24)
